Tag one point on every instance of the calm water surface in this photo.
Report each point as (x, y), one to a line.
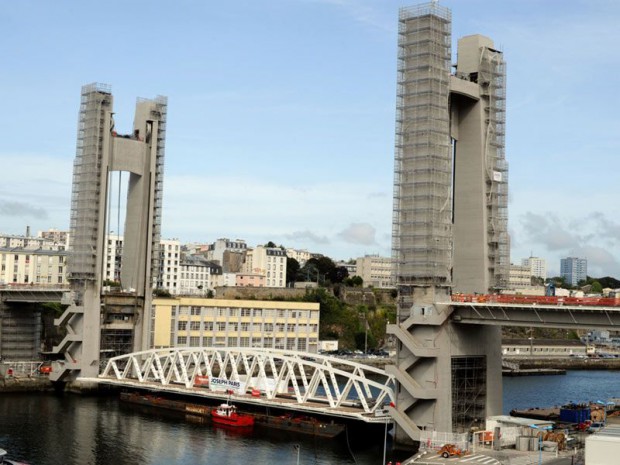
(69, 429)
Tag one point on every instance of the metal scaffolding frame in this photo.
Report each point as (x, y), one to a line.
(492, 81)
(422, 214)
(468, 392)
(86, 194)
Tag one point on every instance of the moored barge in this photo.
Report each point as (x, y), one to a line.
(287, 422)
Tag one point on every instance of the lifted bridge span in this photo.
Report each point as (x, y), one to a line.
(285, 379)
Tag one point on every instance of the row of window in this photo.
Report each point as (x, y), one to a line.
(38, 279)
(300, 344)
(244, 312)
(243, 326)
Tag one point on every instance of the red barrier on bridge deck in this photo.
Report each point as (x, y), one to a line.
(541, 300)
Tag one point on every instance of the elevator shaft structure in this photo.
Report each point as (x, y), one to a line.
(449, 222)
(101, 151)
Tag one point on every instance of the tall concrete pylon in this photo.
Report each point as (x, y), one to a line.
(449, 222)
(101, 150)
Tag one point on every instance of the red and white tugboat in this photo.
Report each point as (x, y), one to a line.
(226, 414)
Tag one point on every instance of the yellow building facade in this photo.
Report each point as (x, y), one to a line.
(200, 322)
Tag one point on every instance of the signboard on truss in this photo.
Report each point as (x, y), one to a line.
(221, 384)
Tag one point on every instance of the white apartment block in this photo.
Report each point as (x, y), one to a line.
(376, 271)
(169, 265)
(302, 256)
(537, 266)
(519, 277)
(199, 322)
(198, 275)
(269, 262)
(33, 266)
(114, 251)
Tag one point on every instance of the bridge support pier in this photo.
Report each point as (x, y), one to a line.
(449, 375)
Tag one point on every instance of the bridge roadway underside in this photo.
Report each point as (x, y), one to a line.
(31, 294)
(283, 402)
(549, 316)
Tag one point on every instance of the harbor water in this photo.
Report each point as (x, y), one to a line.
(575, 386)
(45, 429)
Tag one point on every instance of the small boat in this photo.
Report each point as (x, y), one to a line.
(226, 414)
(5, 461)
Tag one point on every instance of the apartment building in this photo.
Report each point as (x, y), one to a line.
(197, 275)
(376, 271)
(114, 252)
(519, 277)
(229, 254)
(302, 256)
(269, 262)
(33, 266)
(199, 322)
(537, 266)
(9, 241)
(574, 270)
(169, 265)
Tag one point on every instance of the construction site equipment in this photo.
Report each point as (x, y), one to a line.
(449, 450)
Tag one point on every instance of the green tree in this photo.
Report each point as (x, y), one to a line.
(292, 270)
(354, 281)
(597, 288)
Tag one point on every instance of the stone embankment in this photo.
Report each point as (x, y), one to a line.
(26, 384)
(569, 363)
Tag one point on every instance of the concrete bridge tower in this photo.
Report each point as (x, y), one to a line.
(92, 317)
(449, 222)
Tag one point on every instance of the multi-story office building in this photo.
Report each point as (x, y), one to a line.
(537, 266)
(269, 262)
(33, 266)
(376, 271)
(198, 322)
(574, 270)
(197, 275)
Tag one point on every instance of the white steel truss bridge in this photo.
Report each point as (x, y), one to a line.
(286, 380)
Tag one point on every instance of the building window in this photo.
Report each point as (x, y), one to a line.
(221, 326)
(232, 342)
(182, 325)
(182, 340)
(194, 341)
(194, 325)
(207, 341)
(208, 325)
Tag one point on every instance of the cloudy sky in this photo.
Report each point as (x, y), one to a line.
(281, 116)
